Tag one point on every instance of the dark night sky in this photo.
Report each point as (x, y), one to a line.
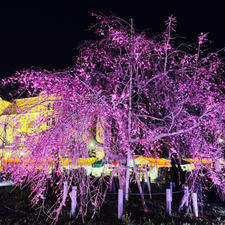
(47, 37)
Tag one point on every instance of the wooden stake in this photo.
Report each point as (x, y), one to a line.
(168, 201)
(120, 204)
(148, 183)
(195, 204)
(186, 194)
(73, 197)
(65, 192)
(127, 183)
(185, 199)
(171, 190)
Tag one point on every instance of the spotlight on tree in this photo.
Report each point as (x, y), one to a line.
(91, 144)
(220, 140)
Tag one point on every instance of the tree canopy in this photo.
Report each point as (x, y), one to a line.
(154, 96)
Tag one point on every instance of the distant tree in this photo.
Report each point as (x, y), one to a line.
(154, 96)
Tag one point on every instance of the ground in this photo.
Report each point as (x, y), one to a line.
(15, 209)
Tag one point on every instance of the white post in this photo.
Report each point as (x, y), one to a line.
(7, 183)
(73, 197)
(186, 194)
(168, 201)
(65, 192)
(185, 199)
(195, 204)
(148, 183)
(171, 190)
(120, 203)
(127, 183)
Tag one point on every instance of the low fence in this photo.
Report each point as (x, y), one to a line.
(168, 198)
(185, 201)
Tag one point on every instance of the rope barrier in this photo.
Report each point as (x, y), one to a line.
(136, 194)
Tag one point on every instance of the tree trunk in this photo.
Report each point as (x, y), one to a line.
(140, 189)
